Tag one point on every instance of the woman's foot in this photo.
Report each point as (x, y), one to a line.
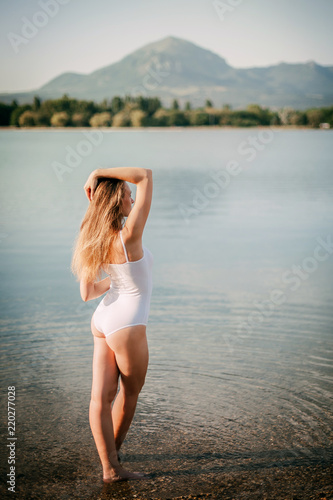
(118, 473)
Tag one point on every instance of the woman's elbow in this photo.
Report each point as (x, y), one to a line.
(85, 292)
(84, 295)
(147, 173)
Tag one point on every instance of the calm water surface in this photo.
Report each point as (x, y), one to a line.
(240, 331)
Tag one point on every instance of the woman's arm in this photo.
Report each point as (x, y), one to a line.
(130, 174)
(90, 291)
(143, 178)
(138, 216)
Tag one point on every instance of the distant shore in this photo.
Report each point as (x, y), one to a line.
(148, 112)
(170, 128)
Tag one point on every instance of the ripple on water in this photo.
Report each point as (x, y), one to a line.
(268, 388)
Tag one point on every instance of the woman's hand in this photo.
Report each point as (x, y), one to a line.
(91, 184)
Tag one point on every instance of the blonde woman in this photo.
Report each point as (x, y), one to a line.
(105, 242)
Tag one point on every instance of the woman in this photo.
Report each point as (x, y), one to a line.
(118, 324)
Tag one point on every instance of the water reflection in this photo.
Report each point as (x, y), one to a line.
(218, 398)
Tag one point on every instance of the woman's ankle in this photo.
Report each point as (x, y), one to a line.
(113, 460)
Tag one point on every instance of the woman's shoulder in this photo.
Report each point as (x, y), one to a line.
(132, 243)
(130, 237)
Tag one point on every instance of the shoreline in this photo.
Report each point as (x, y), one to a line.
(171, 128)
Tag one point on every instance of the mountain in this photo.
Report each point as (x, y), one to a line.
(173, 68)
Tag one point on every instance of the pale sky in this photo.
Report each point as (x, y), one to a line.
(85, 35)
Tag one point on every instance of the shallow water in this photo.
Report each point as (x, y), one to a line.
(240, 331)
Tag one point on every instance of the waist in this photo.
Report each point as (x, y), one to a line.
(143, 289)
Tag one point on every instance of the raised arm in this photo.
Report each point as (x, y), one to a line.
(143, 179)
(130, 174)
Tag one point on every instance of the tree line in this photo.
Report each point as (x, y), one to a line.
(142, 111)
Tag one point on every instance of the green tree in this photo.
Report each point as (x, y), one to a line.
(178, 119)
(37, 103)
(297, 118)
(148, 104)
(5, 113)
(208, 103)
(154, 105)
(122, 119)
(48, 107)
(117, 104)
(175, 104)
(285, 114)
(199, 118)
(129, 99)
(65, 103)
(52, 106)
(188, 106)
(27, 119)
(275, 119)
(160, 118)
(101, 119)
(104, 105)
(315, 117)
(60, 119)
(142, 103)
(254, 108)
(42, 119)
(87, 109)
(243, 118)
(80, 119)
(263, 115)
(225, 115)
(225, 118)
(137, 117)
(17, 112)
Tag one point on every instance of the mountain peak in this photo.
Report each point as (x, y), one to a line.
(170, 40)
(175, 46)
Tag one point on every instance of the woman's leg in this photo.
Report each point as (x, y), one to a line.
(104, 388)
(103, 391)
(131, 353)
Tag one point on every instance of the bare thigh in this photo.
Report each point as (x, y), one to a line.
(130, 347)
(105, 372)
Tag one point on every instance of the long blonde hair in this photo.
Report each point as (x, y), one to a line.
(99, 228)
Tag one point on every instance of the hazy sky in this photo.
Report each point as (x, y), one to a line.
(85, 35)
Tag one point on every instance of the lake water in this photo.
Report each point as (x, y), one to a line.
(240, 330)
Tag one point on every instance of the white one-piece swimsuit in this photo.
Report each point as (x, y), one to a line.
(127, 302)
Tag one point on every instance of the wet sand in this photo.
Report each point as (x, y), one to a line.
(295, 483)
(57, 458)
(179, 474)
